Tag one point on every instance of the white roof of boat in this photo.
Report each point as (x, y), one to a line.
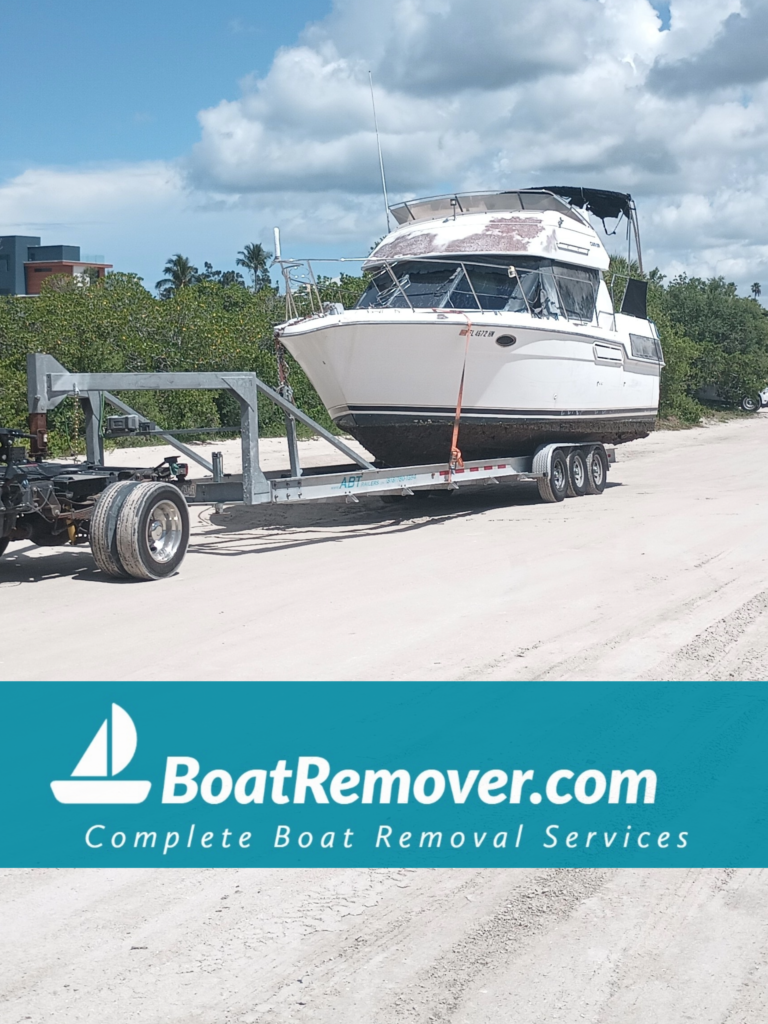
(457, 203)
(550, 230)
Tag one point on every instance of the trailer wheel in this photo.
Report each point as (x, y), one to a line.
(153, 531)
(554, 486)
(597, 470)
(103, 528)
(577, 474)
(750, 403)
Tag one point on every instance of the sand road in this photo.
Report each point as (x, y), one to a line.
(663, 577)
(384, 947)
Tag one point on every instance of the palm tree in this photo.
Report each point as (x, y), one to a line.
(756, 290)
(254, 258)
(179, 274)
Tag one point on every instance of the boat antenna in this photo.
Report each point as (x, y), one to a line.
(381, 158)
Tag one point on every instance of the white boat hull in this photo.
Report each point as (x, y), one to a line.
(391, 378)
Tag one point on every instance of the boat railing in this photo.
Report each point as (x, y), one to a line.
(603, 316)
(303, 285)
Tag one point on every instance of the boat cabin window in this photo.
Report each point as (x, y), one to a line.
(577, 287)
(540, 287)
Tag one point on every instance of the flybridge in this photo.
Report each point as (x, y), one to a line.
(312, 779)
(458, 203)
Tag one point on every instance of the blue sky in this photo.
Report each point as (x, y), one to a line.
(143, 130)
(124, 81)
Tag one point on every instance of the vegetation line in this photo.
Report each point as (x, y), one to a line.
(216, 320)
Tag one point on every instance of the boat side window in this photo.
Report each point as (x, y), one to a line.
(532, 284)
(425, 287)
(492, 287)
(425, 284)
(529, 287)
(577, 288)
(378, 292)
(540, 290)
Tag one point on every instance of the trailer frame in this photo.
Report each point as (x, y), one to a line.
(137, 521)
(49, 383)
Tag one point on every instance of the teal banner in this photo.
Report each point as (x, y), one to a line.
(384, 774)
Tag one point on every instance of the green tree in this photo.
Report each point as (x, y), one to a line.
(756, 290)
(117, 325)
(222, 277)
(255, 258)
(712, 311)
(179, 274)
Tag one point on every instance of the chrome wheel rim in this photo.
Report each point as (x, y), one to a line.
(596, 468)
(577, 469)
(558, 476)
(164, 531)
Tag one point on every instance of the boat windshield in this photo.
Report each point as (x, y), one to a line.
(543, 288)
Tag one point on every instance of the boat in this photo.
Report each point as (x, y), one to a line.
(109, 752)
(487, 329)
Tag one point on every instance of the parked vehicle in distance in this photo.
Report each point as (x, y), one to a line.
(747, 403)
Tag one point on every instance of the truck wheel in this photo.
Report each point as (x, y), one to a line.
(750, 403)
(153, 531)
(577, 474)
(554, 486)
(597, 470)
(103, 529)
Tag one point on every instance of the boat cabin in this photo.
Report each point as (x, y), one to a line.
(530, 250)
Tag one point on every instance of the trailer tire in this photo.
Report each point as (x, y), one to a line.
(554, 486)
(597, 470)
(577, 473)
(750, 403)
(153, 531)
(103, 528)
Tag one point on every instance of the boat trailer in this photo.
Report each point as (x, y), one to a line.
(137, 520)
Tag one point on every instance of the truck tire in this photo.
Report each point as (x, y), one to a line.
(597, 470)
(554, 486)
(153, 531)
(103, 529)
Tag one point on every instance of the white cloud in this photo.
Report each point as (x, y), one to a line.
(65, 197)
(470, 94)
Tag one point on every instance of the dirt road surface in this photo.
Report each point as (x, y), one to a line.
(664, 576)
(384, 947)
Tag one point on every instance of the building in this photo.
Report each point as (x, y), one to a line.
(25, 263)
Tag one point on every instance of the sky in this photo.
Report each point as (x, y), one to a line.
(143, 130)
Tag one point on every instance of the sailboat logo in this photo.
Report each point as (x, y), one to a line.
(93, 781)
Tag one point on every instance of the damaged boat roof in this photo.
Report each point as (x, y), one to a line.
(550, 230)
